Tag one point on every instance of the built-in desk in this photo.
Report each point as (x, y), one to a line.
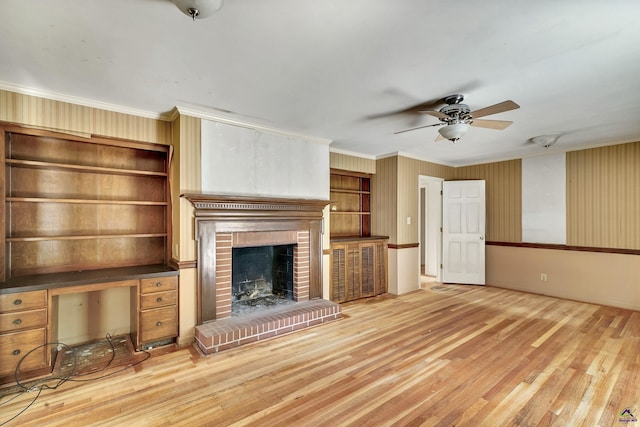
(29, 309)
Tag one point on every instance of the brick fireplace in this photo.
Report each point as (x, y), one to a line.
(224, 223)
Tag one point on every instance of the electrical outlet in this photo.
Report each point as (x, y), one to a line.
(543, 277)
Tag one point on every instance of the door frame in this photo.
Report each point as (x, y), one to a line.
(433, 221)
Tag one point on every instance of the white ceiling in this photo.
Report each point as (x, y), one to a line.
(334, 68)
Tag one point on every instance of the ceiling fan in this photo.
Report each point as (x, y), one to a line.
(456, 117)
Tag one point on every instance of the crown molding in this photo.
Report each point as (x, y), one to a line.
(352, 153)
(55, 96)
(211, 117)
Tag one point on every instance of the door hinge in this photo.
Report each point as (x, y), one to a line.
(441, 192)
(440, 266)
(441, 229)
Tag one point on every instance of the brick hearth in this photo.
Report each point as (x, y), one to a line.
(232, 332)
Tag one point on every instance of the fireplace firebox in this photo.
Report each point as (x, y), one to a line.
(261, 277)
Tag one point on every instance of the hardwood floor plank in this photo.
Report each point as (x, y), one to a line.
(443, 356)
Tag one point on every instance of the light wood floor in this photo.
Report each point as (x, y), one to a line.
(447, 355)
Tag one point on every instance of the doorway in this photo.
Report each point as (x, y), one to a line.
(430, 228)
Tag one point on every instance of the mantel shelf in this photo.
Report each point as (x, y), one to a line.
(36, 164)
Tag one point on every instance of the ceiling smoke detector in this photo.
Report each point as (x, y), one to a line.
(199, 9)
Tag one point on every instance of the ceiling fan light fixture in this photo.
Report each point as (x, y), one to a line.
(199, 9)
(454, 132)
(546, 141)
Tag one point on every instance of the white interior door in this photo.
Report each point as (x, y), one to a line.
(463, 228)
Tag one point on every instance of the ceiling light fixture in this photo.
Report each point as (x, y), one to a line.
(454, 131)
(546, 141)
(199, 9)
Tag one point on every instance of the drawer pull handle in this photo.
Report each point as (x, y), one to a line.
(15, 352)
(159, 299)
(158, 323)
(158, 284)
(17, 321)
(17, 302)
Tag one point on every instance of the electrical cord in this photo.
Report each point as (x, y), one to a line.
(40, 385)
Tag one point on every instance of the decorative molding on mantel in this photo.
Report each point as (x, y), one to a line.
(209, 204)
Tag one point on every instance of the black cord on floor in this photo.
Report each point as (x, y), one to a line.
(39, 385)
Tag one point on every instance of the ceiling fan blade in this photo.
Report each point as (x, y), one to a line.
(495, 109)
(434, 113)
(491, 124)
(409, 110)
(419, 127)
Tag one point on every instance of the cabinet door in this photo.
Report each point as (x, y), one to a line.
(367, 272)
(338, 273)
(353, 272)
(381, 268)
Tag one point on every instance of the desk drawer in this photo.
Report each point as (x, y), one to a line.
(23, 301)
(157, 284)
(158, 299)
(18, 320)
(14, 346)
(158, 323)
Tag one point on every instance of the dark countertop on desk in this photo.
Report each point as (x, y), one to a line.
(75, 278)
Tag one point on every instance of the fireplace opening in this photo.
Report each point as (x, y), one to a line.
(261, 277)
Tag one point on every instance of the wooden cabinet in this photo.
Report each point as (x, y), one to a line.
(350, 204)
(358, 269)
(158, 310)
(74, 203)
(23, 322)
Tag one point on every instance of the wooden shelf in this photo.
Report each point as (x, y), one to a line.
(350, 213)
(80, 168)
(337, 190)
(85, 237)
(85, 201)
(350, 210)
(74, 203)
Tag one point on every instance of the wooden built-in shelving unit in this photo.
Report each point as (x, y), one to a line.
(358, 259)
(350, 204)
(79, 205)
(81, 215)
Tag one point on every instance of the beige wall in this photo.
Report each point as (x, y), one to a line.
(351, 163)
(603, 197)
(185, 178)
(504, 197)
(602, 278)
